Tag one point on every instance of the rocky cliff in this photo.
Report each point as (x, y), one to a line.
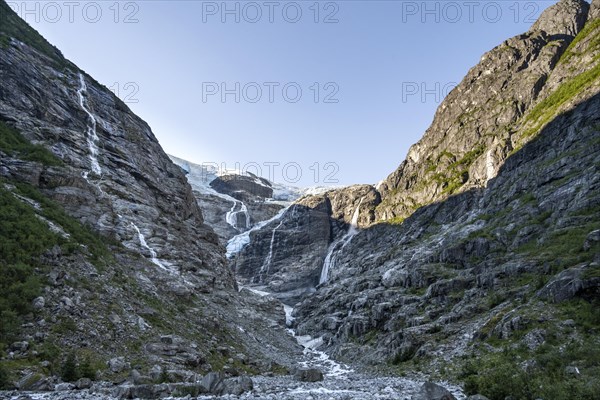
(499, 105)
(502, 103)
(286, 256)
(116, 265)
(494, 278)
(477, 259)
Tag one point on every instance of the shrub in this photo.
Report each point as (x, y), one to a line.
(14, 144)
(68, 371)
(4, 378)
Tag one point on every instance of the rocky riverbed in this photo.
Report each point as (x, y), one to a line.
(350, 386)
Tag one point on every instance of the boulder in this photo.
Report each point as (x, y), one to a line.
(309, 375)
(237, 386)
(83, 383)
(118, 364)
(432, 391)
(35, 382)
(570, 283)
(213, 383)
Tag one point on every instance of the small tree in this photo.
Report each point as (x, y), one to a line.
(4, 378)
(86, 370)
(69, 369)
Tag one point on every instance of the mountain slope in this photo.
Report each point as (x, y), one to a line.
(495, 109)
(498, 284)
(117, 267)
(502, 103)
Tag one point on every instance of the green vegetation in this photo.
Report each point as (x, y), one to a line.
(564, 246)
(71, 370)
(584, 34)
(24, 237)
(14, 144)
(396, 220)
(4, 378)
(68, 371)
(457, 173)
(550, 371)
(548, 108)
(13, 26)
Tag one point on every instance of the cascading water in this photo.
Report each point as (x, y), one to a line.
(238, 242)
(232, 216)
(338, 245)
(145, 245)
(92, 137)
(264, 270)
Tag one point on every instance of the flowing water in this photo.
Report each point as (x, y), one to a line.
(91, 135)
(145, 245)
(338, 245)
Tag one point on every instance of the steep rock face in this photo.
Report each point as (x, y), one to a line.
(125, 271)
(470, 274)
(287, 255)
(479, 123)
(594, 10)
(501, 104)
(136, 184)
(458, 272)
(565, 18)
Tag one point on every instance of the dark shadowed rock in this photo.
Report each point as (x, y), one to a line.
(432, 391)
(242, 187)
(308, 375)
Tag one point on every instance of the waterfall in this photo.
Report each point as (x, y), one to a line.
(145, 245)
(91, 135)
(238, 242)
(264, 270)
(339, 245)
(232, 216)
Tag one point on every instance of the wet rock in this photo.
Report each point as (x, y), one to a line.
(64, 386)
(149, 392)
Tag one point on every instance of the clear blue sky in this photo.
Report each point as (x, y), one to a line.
(374, 55)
